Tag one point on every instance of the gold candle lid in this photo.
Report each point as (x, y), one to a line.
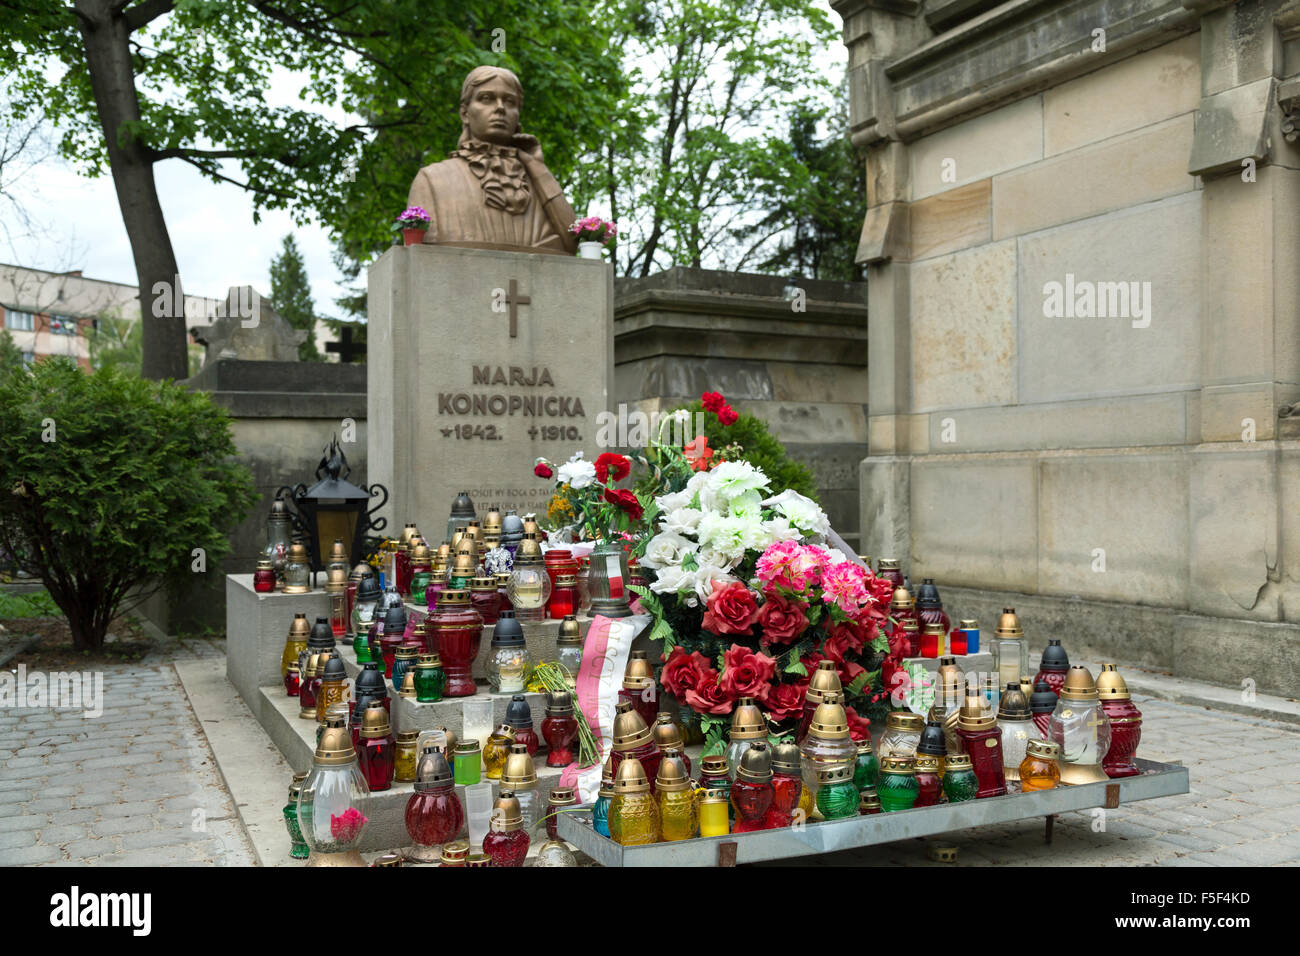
(672, 777)
(829, 721)
(388, 859)
(506, 731)
(454, 853)
(667, 736)
(755, 764)
(868, 800)
(428, 662)
(408, 736)
(562, 797)
(974, 714)
(453, 596)
(1042, 749)
(297, 554)
(375, 722)
(902, 599)
(1079, 684)
(502, 578)
(630, 730)
(898, 764)
(519, 773)
(927, 763)
(408, 684)
(566, 580)
(747, 721)
(715, 765)
(406, 652)
(335, 745)
(786, 757)
(956, 762)
(935, 628)
(888, 564)
(299, 628)
(336, 580)
(969, 624)
(905, 721)
(864, 746)
(836, 774)
(1111, 685)
(630, 777)
(714, 796)
(483, 583)
(506, 814)
(570, 632)
(639, 673)
(825, 681)
(1009, 624)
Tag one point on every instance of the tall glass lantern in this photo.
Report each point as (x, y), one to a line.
(330, 802)
(1010, 650)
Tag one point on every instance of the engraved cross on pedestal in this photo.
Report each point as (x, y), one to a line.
(514, 300)
(1094, 724)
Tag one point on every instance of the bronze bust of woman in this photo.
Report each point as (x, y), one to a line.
(494, 191)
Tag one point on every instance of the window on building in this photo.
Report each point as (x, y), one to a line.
(63, 325)
(19, 321)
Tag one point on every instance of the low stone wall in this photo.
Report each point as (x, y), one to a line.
(686, 331)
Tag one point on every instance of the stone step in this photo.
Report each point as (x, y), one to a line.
(296, 739)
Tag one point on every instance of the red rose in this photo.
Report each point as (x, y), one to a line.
(894, 679)
(811, 660)
(611, 467)
(542, 470)
(713, 401)
(728, 415)
(782, 621)
(786, 700)
(851, 636)
(707, 697)
(836, 646)
(625, 500)
(849, 672)
(731, 609)
(683, 672)
(747, 673)
(899, 645)
(859, 727)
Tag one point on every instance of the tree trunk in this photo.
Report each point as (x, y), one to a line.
(106, 36)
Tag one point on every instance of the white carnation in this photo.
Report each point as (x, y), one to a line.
(576, 473)
(732, 479)
(803, 513)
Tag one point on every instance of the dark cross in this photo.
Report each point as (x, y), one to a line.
(515, 299)
(347, 349)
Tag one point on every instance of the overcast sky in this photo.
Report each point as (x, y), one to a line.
(217, 244)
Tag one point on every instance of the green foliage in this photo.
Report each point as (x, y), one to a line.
(29, 604)
(117, 343)
(760, 448)
(11, 356)
(291, 296)
(818, 194)
(109, 482)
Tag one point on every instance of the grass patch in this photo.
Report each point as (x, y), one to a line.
(27, 604)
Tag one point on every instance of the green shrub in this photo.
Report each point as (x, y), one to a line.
(760, 448)
(108, 485)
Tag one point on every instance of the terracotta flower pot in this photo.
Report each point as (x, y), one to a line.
(413, 237)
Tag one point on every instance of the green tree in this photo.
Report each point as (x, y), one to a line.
(291, 296)
(113, 485)
(132, 83)
(759, 447)
(11, 356)
(689, 158)
(818, 193)
(116, 342)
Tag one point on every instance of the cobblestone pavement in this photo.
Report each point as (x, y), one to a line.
(125, 788)
(136, 786)
(1243, 808)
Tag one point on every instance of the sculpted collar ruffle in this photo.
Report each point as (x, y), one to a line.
(500, 172)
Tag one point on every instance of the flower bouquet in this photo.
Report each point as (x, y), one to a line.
(594, 229)
(585, 503)
(748, 597)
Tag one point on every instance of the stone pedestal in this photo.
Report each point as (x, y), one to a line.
(480, 362)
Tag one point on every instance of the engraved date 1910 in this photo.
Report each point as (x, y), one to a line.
(469, 432)
(554, 433)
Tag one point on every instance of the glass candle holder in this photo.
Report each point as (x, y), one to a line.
(560, 728)
(520, 777)
(378, 754)
(898, 789)
(292, 681)
(902, 735)
(715, 813)
(405, 657)
(1040, 770)
(264, 577)
(584, 589)
(506, 842)
(633, 812)
(600, 810)
(559, 798)
(297, 845)
(457, 629)
(1081, 729)
(297, 571)
(929, 786)
(1010, 649)
(469, 763)
(485, 597)
(406, 755)
(508, 662)
(329, 806)
(1017, 728)
(564, 599)
(982, 741)
(837, 798)
(279, 538)
(866, 769)
(496, 750)
(959, 780)
(478, 811)
(1125, 723)
(529, 590)
(430, 679)
(434, 815)
(678, 814)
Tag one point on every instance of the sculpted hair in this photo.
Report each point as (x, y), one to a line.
(476, 78)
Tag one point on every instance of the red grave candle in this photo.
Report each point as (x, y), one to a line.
(751, 802)
(985, 749)
(560, 732)
(458, 629)
(506, 848)
(378, 759)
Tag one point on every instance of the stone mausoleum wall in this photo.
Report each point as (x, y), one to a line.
(1013, 449)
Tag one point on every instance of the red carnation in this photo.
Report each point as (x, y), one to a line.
(786, 700)
(731, 609)
(747, 673)
(707, 697)
(542, 470)
(625, 500)
(728, 415)
(713, 402)
(782, 621)
(611, 467)
(859, 727)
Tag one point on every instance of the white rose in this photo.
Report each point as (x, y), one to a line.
(704, 577)
(778, 529)
(675, 501)
(666, 549)
(670, 579)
